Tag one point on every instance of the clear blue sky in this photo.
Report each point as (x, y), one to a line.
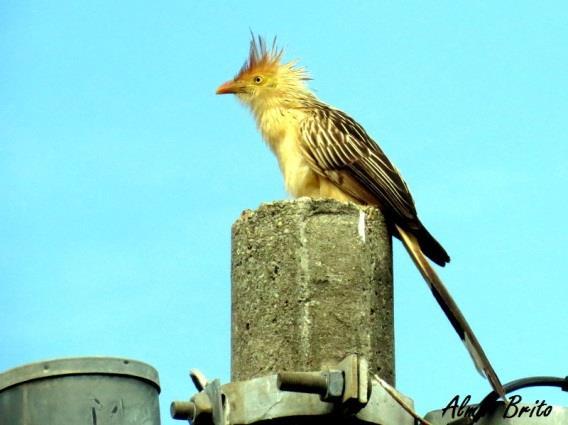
(121, 173)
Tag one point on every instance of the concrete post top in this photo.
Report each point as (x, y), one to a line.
(308, 206)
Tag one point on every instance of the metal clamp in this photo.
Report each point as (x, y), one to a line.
(344, 389)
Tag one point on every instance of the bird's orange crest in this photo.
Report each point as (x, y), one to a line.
(261, 58)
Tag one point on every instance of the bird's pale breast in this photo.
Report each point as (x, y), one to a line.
(281, 131)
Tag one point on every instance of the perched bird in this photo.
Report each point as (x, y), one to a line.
(323, 152)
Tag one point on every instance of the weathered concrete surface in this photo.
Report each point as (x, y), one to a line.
(311, 282)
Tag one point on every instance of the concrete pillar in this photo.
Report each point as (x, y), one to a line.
(311, 283)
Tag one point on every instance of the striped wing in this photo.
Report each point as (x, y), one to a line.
(337, 147)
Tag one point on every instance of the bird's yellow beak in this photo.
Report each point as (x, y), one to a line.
(227, 88)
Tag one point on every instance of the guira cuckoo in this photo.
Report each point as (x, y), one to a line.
(323, 152)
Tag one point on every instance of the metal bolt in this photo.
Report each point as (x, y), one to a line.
(302, 382)
(335, 385)
(329, 384)
(182, 410)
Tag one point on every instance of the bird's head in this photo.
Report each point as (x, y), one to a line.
(264, 80)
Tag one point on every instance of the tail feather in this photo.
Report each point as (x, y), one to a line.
(430, 247)
(450, 308)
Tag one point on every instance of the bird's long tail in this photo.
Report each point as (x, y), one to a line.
(452, 312)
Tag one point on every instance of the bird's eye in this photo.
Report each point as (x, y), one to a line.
(258, 79)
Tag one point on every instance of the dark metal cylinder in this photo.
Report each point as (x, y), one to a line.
(80, 391)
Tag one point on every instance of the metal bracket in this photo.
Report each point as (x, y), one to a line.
(215, 394)
(346, 388)
(357, 389)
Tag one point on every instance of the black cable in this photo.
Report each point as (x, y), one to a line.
(490, 400)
